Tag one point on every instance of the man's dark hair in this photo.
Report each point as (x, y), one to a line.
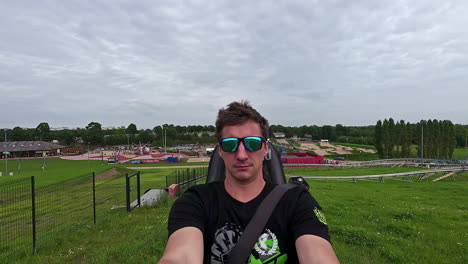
(238, 113)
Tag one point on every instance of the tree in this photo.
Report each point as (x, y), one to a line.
(461, 133)
(405, 140)
(42, 131)
(378, 138)
(145, 136)
(393, 137)
(131, 129)
(18, 134)
(386, 139)
(328, 132)
(93, 134)
(65, 137)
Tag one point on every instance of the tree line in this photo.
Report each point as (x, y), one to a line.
(96, 136)
(432, 139)
(391, 139)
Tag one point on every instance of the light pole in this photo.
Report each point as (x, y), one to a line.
(128, 142)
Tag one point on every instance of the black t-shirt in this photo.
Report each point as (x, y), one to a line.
(222, 219)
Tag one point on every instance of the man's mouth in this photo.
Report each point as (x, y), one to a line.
(243, 166)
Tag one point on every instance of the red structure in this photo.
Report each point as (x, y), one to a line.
(301, 158)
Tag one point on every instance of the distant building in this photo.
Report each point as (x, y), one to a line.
(29, 149)
(58, 128)
(301, 158)
(279, 135)
(209, 133)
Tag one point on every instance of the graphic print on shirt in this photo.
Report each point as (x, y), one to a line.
(266, 250)
(224, 240)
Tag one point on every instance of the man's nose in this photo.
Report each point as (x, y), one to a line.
(241, 153)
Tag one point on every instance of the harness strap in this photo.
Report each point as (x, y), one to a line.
(241, 251)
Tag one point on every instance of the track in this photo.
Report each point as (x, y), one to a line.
(448, 172)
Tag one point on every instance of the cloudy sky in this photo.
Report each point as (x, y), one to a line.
(69, 63)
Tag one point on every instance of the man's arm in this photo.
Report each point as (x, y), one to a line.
(184, 246)
(314, 249)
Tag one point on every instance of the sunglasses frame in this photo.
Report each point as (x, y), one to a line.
(239, 140)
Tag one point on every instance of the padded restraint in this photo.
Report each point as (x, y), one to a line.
(272, 167)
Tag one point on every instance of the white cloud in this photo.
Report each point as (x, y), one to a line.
(316, 62)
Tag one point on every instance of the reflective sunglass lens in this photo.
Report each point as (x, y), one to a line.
(229, 144)
(253, 143)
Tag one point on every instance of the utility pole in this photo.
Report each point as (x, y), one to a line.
(128, 143)
(88, 154)
(466, 151)
(163, 137)
(422, 143)
(165, 140)
(6, 155)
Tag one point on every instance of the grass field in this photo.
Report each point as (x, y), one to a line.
(355, 145)
(370, 222)
(55, 169)
(460, 154)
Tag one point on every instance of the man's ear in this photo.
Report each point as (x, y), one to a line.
(220, 152)
(266, 148)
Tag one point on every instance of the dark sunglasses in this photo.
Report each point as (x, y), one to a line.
(250, 143)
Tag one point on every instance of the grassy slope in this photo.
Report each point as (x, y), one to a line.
(460, 154)
(395, 222)
(355, 145)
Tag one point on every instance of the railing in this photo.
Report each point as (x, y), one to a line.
(187, 177)
(382, 176)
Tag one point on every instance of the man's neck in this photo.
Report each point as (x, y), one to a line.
(244, 192)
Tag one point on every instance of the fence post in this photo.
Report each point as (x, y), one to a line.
(138, 189)
(127, 188)
(94, 197)
(33, 213)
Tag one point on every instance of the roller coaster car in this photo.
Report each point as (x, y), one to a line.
(272, 169)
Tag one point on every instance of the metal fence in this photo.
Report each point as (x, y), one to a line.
(34, 218)
(135, 187)
(186, 177)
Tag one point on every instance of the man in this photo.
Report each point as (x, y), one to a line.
(207, 220)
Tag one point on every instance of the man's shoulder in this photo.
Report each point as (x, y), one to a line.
(294, 194)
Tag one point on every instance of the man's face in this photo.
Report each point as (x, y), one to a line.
(243, 165)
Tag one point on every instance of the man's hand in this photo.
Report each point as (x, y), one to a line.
(184, 246)
(314, 249)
